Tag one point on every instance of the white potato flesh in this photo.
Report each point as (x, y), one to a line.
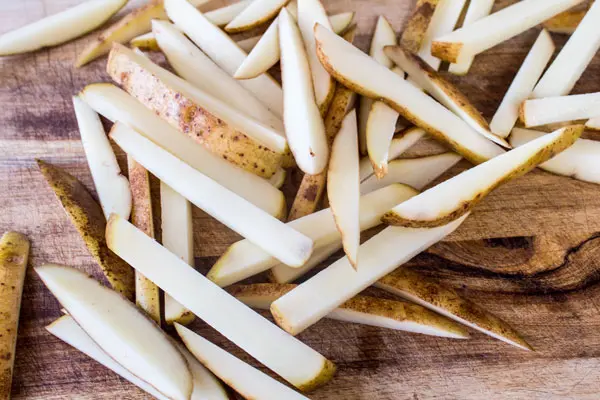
(281, 273)
(580, 161)
(206, 385)
(243, 259)
(321, 294)
(278, 178)
(414, 172)
(122, 330)
(256, 14)
(593, 124)
(262, 229)
(241, 377)
(59, 28)
(568, 66)
(303, 123)
(520, 89)
(116, 105)
(282, 353)
(537, 112)
(343, 186)
(112, 187)
(223, 51)
(381, 125)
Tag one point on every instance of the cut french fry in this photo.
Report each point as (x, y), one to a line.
(59, 28)
(381, 125)
(568, 66)
(414, 32)
(384, 35)
(311, 12)
(445, 92)
(256, 14)
(361, 73)
(549, 110)
(112, 187)
(265, 53)
(244, 259)
(194, 66)
(131, 25)
(414, 172)
(147, 295)
(343, 186)
(116, 105)
(147, 42)
(223, 51)
(363, 310)
(458, 195)
(398, 145)
(339, 282)
(244, 379)
(201, 116)
(444, 20)
(520, 89)
(224, 15)
(565, 22)
(248, 44)
(233, 211)
(445, 301)
(593, 124)
(475, 11)
(14, 254)
(206, 385)
(281, 273)
(282, 353)
(305, 130)
(120, 329)
(87, 217)
(496, 28)
(178, 238)
(580, 161)
(312, 187)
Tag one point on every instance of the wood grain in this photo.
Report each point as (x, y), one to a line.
(529, 253)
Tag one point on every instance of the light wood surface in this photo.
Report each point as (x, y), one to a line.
(530, 252)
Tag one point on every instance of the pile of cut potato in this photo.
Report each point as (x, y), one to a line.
(220, 134)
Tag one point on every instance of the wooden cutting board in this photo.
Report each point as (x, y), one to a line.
(530, 252)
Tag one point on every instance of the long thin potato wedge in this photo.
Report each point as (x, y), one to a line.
(414, 172)
(256, 14)
(282, 353)
(476, 10)
(178, 238)
(568, 66)
(384, 35)
(312, 187)
(580, 161)
(343, 186)
(59, 28)
(444, 91)
(281, 273)
(121, 329)
(445, 301)
(549, 110)
(361, 73)
(456, 196)
(244, 259)
(305, 129)
(116, 105)
(565, 22)
(414, 32)
(243, 378)
(497, 28)
(301, 308)
(14, 254)
(223, 51)
(520, 89)
(87, 217)
(364, 310)
(201, 116)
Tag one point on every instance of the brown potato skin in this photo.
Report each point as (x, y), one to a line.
(565, 22)
(88, 218)
(416, 27)
(190, 119)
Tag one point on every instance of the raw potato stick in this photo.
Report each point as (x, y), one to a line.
(147, 295)
(14, 253)
(87, 217)
(550, 110)
(413, 35)
(256, 14)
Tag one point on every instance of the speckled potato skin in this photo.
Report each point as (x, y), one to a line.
(14, 252)
(87, 217)
(190, 119)
(569, 136)
(446, 51)
(406, 283)
(416, 27)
